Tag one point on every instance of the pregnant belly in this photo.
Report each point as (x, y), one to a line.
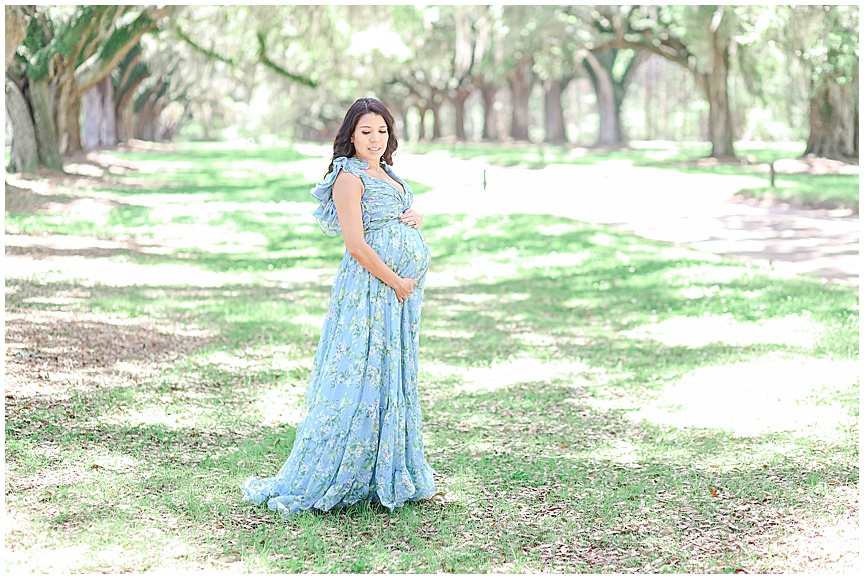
(402, 248)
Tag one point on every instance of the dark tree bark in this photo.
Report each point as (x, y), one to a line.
(31, 79)
(421, 127)
(403, 114)
(717, 86)
(25, 154)
(435, 109)
(99, 129)
(132, 73)
(43, 121)
(490, 129)
(148, 108)
(599, 68)
(834, 121)
(145, 122)
(556, 131)
(521, 80)
(610, 92)
(459, 109)
(68, 113)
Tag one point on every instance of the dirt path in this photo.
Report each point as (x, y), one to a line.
(696, 210)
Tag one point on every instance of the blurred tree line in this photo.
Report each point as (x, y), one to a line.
(81, 77)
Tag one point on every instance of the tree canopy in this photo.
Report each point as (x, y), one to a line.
(588, 75)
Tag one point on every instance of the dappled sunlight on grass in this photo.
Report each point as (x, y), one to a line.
(759, 397)
(592, 401)
(280, 406)
(793, 330)
(504, 373)
(514, 371)
(622, 452)
(109, 272)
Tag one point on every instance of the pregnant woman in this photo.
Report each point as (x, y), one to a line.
(361, 437)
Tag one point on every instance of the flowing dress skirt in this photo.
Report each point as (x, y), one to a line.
(361, 438)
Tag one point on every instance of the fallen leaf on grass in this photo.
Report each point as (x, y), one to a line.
(713, 492)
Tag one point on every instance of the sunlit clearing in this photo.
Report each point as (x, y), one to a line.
(507, 373)
(448, 334)
(221, 238)
(475, 298)
(557, 229)
(692, 332)
(109, 555)
(461, 486)
(307, 320)
(600, 239)
(705, 274)
(619, 451)
(189, 417)
(478, 268)
(491, 230)
(283, 358)
(555, 259)
(833, 548)
(455, 229)
(280, 405)
(103, 271)
(113, 273)
(753, 398)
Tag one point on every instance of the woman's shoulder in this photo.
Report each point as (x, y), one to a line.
(353, 165)
(348, 177)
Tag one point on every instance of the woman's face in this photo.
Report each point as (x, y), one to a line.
(370, 138)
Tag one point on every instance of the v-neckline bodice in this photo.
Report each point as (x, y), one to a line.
(363, 164)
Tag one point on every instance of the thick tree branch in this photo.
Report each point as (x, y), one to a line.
(121, 42)
(205, 51)
(265, 60)
(16, 29)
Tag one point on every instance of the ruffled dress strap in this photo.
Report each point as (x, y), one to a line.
(325, 214)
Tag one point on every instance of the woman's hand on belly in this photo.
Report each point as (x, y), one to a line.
(411, 218)
(404, 288)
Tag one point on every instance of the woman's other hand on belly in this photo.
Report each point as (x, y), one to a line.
(411, 218)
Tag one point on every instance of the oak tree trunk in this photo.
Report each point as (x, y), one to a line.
(68, 114)
(403, 114)
(611, 133)
(421, 126)
(719, 115)
(459, 108)
(25, 153)
(145, 122)
(834, 121)
(435, 108)
(490, 130)
(43, 122)
(554, 119)
(520, 86)
(99, 128)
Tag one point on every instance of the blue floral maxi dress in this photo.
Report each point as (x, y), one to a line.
(361, 437)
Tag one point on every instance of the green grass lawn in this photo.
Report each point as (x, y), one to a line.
(593, 401)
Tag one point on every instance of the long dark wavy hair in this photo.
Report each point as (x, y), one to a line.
(342, 145)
